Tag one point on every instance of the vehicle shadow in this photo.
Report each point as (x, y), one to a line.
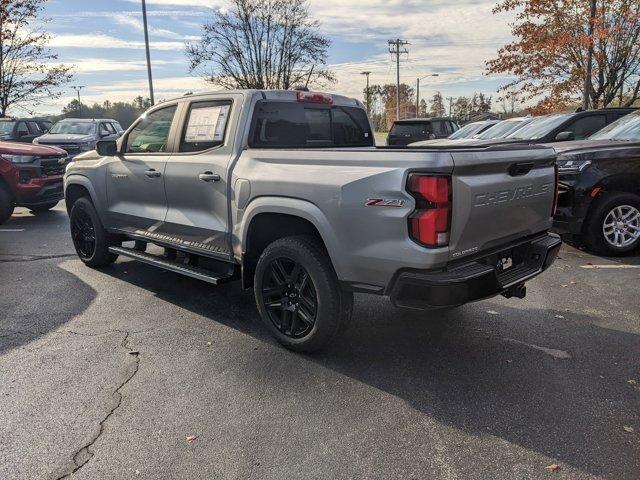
(52, 298)
(478, 373)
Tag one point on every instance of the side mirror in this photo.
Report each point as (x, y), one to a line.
(565, 137)
(107, 148)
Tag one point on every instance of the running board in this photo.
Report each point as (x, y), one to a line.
(188, 270)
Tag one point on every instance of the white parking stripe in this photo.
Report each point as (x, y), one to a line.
(11, 229)
(611, 266)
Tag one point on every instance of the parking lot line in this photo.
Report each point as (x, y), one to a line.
(610, 266)
(11, 229)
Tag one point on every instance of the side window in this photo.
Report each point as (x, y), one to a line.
(585, 126)
(103, 130)
(205, 126)
(151, 133)
(438, 128)
(35, 128)
(22, 129)
(116, 127)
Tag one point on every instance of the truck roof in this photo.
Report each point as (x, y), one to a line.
(277, 95)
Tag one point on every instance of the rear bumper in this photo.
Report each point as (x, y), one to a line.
(476, 279)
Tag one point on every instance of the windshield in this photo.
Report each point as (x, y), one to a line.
(625, 128)
(74, 128)
(6, 127)
(468, 130)
(539, 127)
(501, 129)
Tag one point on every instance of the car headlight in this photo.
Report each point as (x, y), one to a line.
(19, 158)
(86, 146)
(572, 165)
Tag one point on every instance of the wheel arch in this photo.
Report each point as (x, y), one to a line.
(627, 183)
(77, 186)
(268, 219)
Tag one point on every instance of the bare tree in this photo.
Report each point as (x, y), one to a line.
(262, 44)
(27, 74)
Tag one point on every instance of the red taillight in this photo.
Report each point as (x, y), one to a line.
(314, 97)
(430, 223)
(556, 191)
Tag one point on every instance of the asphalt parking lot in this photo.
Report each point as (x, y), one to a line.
(132, 372)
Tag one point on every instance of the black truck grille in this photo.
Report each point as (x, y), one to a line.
(71, 149)
(52, 166)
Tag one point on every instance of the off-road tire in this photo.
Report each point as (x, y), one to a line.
(334, 306)
(6, 204)
(594, 237)
(99, 255)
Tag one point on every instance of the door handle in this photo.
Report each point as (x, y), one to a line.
(209, 177)
(152, 173)
(518, 169)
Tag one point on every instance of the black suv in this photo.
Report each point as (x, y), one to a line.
(23, 129)
(599, 200)
(404, 132)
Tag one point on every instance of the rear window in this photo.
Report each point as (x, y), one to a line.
(303, 125)
(413, 129)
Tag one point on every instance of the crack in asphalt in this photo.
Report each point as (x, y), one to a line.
(32, 258)
(84, 454)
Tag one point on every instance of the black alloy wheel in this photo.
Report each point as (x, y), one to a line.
(289, 297)
(83, 233)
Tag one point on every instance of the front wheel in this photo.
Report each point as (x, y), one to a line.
(613, 227)
(298, 294)
(90, 239)
(6, 205)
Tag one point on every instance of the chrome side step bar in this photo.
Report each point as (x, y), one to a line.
(172, 266)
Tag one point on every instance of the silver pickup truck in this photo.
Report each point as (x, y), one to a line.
(285, 191)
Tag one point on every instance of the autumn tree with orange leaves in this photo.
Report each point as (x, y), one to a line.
(549, 56)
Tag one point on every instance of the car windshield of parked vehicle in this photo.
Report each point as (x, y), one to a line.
(501, 130)
(6, 127)
(74, 128)
(468, 131)
(539, 127)
(625, 128)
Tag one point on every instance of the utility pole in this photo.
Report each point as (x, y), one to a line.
(367, 93)
(418, 91)
(394, 49)
(450, 106)
(77, 88)
(587, 78)
(146, 46)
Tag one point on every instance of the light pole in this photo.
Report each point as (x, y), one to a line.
(418, 91)
(367, 97)
(77, 88)
(146, 46)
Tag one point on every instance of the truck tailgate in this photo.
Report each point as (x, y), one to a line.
(500, 195)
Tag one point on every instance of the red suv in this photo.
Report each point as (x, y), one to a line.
(30, 176)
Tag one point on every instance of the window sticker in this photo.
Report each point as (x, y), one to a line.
(207, 124)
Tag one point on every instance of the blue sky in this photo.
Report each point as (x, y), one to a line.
(104, 40)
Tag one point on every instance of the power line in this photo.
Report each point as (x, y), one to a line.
(394, 49)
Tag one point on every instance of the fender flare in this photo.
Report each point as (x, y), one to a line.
(298, 208)
(81, 180)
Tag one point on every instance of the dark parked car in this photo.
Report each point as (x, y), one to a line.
(556, 128)
(23, 129)
(404, 132)
(77, 135)
(30, 176)
(599, 200)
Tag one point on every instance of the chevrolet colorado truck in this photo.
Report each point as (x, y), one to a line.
(285, 191)
(30, 176)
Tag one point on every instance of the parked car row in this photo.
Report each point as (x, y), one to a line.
(34, 154)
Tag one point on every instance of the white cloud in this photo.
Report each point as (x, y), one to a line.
(106, 41)
(137, 25)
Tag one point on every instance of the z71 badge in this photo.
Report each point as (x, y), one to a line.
(382, 202)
